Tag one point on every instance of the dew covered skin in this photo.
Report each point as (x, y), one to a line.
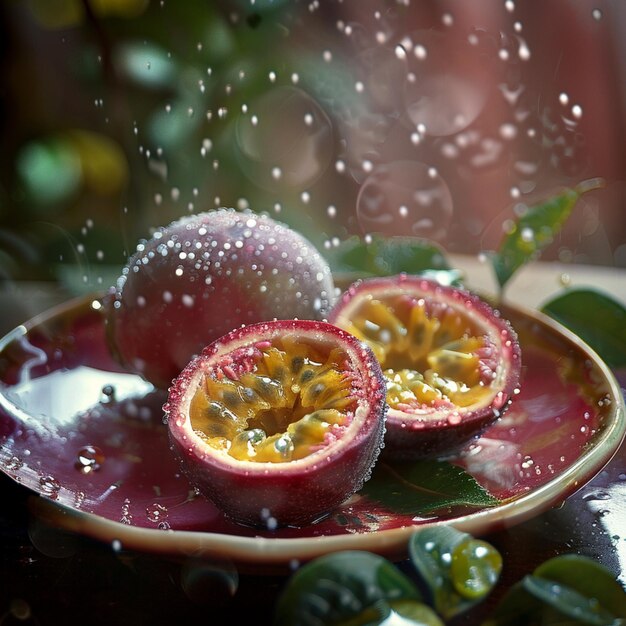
(451, 363)
(205, 275)
(294, 467)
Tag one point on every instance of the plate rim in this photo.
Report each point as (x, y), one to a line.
(267, 554)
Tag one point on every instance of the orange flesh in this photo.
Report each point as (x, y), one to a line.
(296, 400)
(431, 355)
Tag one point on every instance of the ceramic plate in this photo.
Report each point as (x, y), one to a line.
(89, 439)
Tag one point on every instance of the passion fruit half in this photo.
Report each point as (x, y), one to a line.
(203, 275)
(451, 362)
(278, 423)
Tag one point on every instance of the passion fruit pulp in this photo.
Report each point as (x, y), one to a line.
(204, 275)
(451, 362)
(278, 423)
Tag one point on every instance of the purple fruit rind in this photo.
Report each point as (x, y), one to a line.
(204, 275)
(290, 493)
(408, 437)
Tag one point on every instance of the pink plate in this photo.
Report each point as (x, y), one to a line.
(89, 438)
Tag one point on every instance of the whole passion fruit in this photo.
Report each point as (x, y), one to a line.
(278, 423)
(204, 275)
(451, 362)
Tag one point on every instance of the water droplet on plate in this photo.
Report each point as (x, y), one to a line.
(13, 463)
(156, 513)
(596, 495)
(49, 486)
(89, 459)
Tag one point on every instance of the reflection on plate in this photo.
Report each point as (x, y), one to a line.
(89, 438)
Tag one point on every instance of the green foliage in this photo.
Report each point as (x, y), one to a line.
(568, 589)
(425, 486)
(534, 230)
(452, 572)
(384, 256)
(596, 318)
(347, 588)
(353, 588)
(457, 570)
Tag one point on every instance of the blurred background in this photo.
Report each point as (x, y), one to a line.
(436, 119)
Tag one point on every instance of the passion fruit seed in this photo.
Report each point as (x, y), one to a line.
(296, 400)
(431, 356)
(280, 420)
(204, 275)
(451, 363)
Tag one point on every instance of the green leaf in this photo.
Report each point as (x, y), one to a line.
(534, 230)
(475, 568)
(347, 588)
(568, 589)
(596, 318)
(384, 256)
(425, 486)
(588, 578)
(516, 608)
(457, 570)
(567, 602)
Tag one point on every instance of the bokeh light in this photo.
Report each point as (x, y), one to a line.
(433, 120)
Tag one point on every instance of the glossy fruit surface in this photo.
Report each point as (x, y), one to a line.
(451, 363)
(204, 275)
(278, 423)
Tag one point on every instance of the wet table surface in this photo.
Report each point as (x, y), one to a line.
(48, 576)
